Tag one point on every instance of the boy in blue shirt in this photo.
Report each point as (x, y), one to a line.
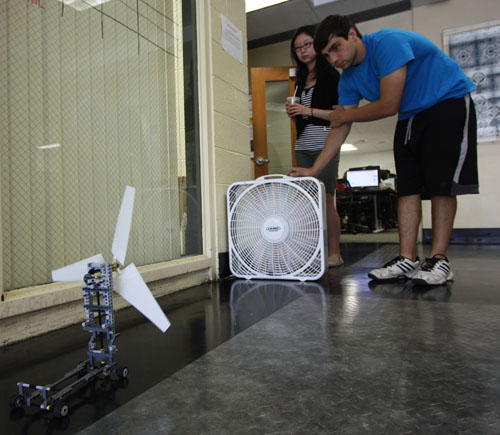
(435, 139)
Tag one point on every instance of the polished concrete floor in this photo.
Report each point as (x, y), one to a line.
(341, 355)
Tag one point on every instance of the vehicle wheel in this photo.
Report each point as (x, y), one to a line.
(122, 372)
(16, 401)
(61, 410)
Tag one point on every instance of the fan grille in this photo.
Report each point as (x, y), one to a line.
(275, 229)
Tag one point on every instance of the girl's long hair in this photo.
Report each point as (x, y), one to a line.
(302, 70)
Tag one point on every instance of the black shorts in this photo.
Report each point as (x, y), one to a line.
(436, 150)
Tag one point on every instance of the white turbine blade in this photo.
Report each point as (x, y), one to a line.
(122, 231)
(131, 287)
(75, 271)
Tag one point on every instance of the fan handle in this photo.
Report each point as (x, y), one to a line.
(274, 177)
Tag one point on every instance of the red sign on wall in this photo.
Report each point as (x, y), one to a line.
(37, 2)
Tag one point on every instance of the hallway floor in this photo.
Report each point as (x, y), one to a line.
(339, 356)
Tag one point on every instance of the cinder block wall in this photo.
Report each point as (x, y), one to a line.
(231, 114)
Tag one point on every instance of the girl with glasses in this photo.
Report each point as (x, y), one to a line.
(317, 88)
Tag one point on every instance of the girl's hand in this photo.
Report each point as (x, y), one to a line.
(294, 110)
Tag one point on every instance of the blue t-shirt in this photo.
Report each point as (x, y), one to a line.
(431, 75)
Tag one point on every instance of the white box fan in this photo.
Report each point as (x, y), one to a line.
(277, 228)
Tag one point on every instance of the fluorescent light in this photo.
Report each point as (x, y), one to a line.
(81, 5)
(347, 147)
(253, 5)
(48, 147)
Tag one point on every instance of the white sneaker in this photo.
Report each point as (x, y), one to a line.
(433, 271)
(399, 267)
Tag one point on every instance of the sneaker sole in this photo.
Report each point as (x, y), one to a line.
(392, 278)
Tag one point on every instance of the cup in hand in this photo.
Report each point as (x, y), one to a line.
(293, 100)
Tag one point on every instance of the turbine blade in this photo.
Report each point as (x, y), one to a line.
(75, 271)
(122, 230)
(131, 287)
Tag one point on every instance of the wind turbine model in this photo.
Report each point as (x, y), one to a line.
(99, 284)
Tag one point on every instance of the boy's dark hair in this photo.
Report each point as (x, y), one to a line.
(336, 25)
(302, 71)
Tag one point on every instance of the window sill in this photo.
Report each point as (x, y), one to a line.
(29, 299)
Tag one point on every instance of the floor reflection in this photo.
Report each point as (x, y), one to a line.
(252, 300)
(407, 290)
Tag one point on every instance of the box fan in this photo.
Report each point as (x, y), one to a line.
(277, 228)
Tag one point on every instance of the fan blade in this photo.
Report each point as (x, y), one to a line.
(75, 271)
(122, 231)
(131, 287)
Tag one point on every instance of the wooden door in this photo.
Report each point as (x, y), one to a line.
(272, 150)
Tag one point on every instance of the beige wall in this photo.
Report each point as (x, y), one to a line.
(475, 211)
(270, 55)
(231, 115)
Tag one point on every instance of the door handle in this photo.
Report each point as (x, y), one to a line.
(261, 160)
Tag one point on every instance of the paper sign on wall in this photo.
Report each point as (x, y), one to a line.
(232, 39)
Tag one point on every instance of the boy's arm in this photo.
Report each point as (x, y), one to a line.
(333, 142)
(391, 92)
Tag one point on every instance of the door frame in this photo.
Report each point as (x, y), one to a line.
(259, 77)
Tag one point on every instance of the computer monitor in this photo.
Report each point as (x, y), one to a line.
(363, 177)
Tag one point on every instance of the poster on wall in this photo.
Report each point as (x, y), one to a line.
(231, 39)
(477, 50)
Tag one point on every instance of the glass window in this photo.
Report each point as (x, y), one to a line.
(96, 95)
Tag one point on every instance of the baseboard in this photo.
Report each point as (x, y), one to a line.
(459, 236)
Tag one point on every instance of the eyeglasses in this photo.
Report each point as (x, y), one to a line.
(304, 46)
